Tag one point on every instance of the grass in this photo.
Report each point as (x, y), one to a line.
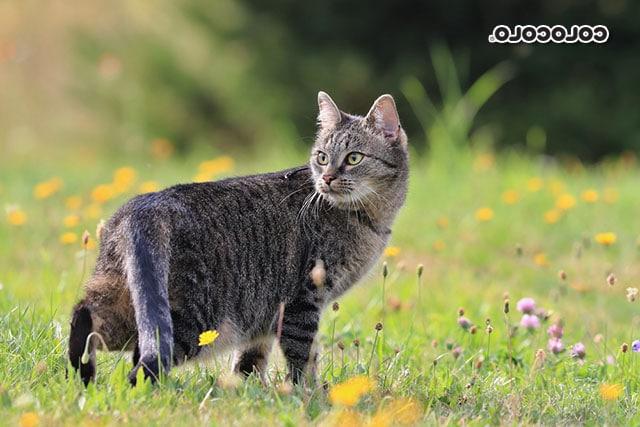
(468, 263)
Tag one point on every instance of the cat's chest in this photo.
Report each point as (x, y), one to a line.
(352, 258)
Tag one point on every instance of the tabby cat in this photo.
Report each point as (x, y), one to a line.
(227, 255)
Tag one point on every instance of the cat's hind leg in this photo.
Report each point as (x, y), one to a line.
(254, 359)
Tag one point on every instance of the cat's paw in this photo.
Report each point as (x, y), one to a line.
(152, 366)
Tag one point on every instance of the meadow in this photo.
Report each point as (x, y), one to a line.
(507, 296)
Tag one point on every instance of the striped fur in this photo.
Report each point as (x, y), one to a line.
(224, 255)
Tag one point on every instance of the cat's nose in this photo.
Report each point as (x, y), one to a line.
(327, 178)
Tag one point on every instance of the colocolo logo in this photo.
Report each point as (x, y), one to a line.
(547, 34)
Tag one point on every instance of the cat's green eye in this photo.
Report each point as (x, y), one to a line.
(322, 158)
(354, 158)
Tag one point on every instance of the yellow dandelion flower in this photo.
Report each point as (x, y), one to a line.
(483, 162)
(484, 214)
(439, 245)
(217, 166)
(610, 195)
(148, 187)
(29, 419)
(208, 337)
(404, 411)
(46, 189)
(392, 251)
(102, 193)
(68, 238)
(611, 391)
(606, 239)
(93, 211)
(16, 217)
(556, 187)
(442, 222)
(346, 418)
(73, 202)
(202, 177)
(381, 419)
(123, 179)
(510, 197)
(565, 201)
(535, 184)
(161, 148)
(590, 196)
(552, 216)
(540, 259)
(70, 221)
(349, 392)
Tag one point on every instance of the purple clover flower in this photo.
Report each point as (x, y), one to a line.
(578, 351)
(526, 305)
(555, 331)
(530, 321)
(555, 345)
(464, 322)
(635, 346)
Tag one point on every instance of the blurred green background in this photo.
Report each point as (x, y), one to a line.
(243, 75)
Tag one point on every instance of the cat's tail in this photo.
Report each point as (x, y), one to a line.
(81, 328)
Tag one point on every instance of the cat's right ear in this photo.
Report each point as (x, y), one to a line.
(329, 115)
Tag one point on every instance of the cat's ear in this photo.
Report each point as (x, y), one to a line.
(383, 116)
(329, 115)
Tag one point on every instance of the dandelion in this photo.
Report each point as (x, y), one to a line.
(123, 179)
(552, 216)
(93, 211)
(102, 193)
(590, 196)
(610, 391)
(208, 337)
(68, 238)
(442, 222)
(635, 346)
(565, 202)
(484, 214)
(510, 197)
(73, 202)
(540, 259)
(347, 418)
(209, 169)
(404, 411)
(632, 294)
(148, 187)
(16, 216)
(392, 251)
(610, 195)
(578, 351)
(71, 221)
(535, 184)
(530, 321)
(46, 189)
(555, 345)
(606, 239)
(29, 419)
(526, 305)
(349, 392)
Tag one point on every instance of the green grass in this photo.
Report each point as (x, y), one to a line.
(467, 264)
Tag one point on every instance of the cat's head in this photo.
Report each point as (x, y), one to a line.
(357, 161)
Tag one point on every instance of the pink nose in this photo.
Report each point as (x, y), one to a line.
(328, 178)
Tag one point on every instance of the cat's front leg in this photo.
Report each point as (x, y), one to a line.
(299, 329)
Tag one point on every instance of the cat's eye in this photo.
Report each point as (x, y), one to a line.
(322, 158)
(354, 158)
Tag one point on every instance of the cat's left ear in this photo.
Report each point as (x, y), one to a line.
(383, 116)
